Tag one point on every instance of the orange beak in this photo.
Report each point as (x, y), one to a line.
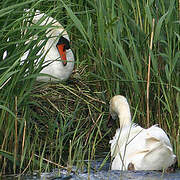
(62, 53)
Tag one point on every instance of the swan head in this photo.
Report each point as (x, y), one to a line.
(62, 46)
(119, 107)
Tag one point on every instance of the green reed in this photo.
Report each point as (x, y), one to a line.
(44, 125)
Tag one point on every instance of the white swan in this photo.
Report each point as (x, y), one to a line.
(135, 148)
(59, 58)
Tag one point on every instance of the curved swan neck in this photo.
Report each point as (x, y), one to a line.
(119, 106)
(124, 116)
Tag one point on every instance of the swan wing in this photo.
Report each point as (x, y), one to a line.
(154, 134)
(158, 158)
(155, 153)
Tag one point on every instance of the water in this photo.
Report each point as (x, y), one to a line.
(103, 174)
(107, 175)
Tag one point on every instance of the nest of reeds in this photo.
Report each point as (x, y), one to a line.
(69, 114)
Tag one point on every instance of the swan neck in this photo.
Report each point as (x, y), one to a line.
(124, 116)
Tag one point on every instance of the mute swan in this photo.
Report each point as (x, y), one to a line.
(135, 148)
(59, 58)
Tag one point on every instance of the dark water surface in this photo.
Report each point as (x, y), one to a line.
(104, 174)
(108, 175)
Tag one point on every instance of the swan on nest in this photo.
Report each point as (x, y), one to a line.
(57, 56)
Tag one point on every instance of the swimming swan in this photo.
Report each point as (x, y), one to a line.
(59, 58)
(136, 148)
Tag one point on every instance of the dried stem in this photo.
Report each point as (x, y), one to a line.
(16, 141)
(148, 77)
(23, 141)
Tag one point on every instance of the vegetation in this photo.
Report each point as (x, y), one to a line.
(48, 125)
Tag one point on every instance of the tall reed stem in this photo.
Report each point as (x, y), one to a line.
(148, 76)
(16, 143)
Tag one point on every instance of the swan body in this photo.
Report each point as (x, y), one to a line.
(58, 61)
(132, 145)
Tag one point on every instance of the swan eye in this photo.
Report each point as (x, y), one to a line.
(63, 40)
